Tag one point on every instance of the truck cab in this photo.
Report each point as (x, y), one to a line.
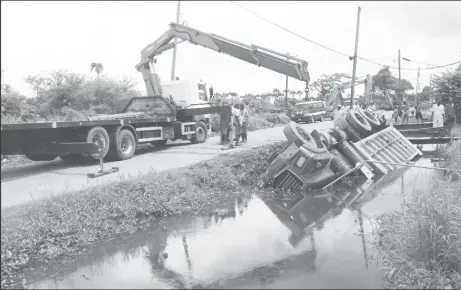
(186, 93)
(189, 94)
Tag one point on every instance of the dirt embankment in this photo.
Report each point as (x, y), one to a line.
(64, 226)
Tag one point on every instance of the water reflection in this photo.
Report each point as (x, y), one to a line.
(320, 239)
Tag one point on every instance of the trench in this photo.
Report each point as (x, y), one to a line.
(300, 241)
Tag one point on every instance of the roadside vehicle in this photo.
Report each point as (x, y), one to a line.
(308, 112)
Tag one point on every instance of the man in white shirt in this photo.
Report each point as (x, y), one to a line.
(438, 112)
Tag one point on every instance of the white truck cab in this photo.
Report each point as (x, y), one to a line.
(187, 93)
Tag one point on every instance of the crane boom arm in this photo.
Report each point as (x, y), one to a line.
(257, 55)
(335, 97)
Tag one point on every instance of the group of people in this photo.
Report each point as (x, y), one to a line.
(402, 112)
(234, 126)
(441, 115)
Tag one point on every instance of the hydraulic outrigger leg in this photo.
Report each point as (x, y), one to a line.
(102, 172)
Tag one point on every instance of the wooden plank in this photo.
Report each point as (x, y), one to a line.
(437, 140)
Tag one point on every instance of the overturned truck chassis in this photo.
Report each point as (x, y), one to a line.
(316, 160)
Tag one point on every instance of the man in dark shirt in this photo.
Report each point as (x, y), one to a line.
(419, 116)
(406, 112)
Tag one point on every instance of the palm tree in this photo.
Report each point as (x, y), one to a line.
(299, 93)
(97, 67)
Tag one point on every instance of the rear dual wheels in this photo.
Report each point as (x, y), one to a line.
(124, 145)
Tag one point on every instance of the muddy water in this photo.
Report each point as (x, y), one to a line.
(295, 242)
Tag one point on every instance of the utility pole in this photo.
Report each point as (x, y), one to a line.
(286, 90)
(355, 58)
(417, 88)
(173, 65)
(399, 93)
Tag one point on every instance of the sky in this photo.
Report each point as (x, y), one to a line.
(38, 37)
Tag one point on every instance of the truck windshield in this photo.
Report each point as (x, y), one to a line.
(202, 92)
(147, 105)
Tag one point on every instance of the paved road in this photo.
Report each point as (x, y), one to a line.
(31, 182)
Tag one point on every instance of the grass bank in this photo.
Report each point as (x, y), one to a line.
(421, 246)
(38, 233)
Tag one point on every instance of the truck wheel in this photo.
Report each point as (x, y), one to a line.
(41, 157)
(93, 135)
(374, 122)
(159, 143)
(200, 133)
(296, 134)
(358, 123)
(125, 146)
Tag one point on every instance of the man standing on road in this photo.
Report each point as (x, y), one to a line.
(406, 112)
(244, 115)
(419, 116)
(337, 117)
(224, 121)
(236, 126)
(438, 112)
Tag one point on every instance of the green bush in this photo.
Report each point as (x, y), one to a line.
(421, 246)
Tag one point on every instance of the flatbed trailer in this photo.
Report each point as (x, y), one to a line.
(119, 133)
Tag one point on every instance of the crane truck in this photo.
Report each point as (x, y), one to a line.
(335, 98)
(151, 119)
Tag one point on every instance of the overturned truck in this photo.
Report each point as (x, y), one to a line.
(360, 145)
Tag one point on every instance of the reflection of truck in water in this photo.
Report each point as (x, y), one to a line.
(151, 119)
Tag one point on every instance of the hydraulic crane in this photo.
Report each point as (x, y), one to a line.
(335, 98)
(257, 55)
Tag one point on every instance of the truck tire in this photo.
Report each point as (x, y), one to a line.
(92, 136)
(125, 145)
(296, 134)
(374, 122)
(159, 143)
(41, 157)
(200, 133)
(358, 123)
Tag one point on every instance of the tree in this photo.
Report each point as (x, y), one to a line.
(37, 82)
(426, 94)
(384, 80)
(448, 85)
(326, 83)
(299, 93)
(97, 67)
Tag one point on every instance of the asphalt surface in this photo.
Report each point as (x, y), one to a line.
(26, 183)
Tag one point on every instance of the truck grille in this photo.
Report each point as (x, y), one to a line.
(288, 181)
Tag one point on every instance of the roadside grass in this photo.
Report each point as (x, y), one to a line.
(421, 246)
(38, 233)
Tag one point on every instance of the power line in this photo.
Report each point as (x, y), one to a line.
(334, 50)
(287, 30)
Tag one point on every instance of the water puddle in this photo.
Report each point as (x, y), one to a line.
(296, 242)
